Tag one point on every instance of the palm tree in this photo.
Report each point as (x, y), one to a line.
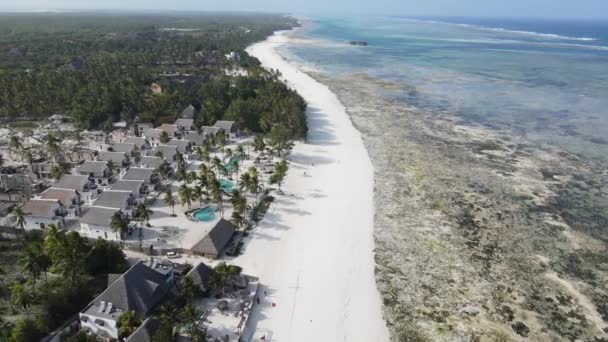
(71, 257)
(203, 170)
(3, 283)
(170, 200)
(185, 196)
(202, 153)
(188, 289)
(53, 145)
(29, 261)
(218, 165)
(198, 192)
(111, 166)
(258, 143)
(29, 155)
(238, 201)
(57, 172)
(15, 144)
(181, 175)
(164, 137)
(119, 224)
(127, 323)
(20, 217)
(142, 213)
(162, 172)
(21, 297)
(228, 154)
(216, 192)
(222, 272)
(280, 171)
(240, 150)
(238, 219)
(52, 243)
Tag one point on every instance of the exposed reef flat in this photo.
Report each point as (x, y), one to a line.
(480, 235)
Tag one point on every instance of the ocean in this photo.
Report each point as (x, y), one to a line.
(545, 80)
(489, 141)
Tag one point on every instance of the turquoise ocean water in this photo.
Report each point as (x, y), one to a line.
(544, 80)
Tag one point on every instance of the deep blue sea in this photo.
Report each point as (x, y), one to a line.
(545, 80)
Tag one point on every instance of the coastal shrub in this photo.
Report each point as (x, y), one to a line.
(26, 331)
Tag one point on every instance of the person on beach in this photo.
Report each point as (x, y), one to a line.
(257, 299)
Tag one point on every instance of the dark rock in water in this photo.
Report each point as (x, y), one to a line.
(521, 329)
(358, 43)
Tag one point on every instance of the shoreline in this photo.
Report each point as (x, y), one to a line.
(314, 250)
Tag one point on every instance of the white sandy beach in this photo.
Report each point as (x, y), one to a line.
(313, 251)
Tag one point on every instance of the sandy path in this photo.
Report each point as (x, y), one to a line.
(314, 249)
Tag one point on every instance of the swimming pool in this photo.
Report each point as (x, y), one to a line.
(205, 214)
(231, 165)
(226, 185)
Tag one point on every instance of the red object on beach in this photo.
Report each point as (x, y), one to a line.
(274, 304)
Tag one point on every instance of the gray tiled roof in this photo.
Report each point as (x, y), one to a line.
(200, 274)
(146, 331)
(179, 144)
(153, 133)
(98, 216)
(139, 289)
(195, 138)
(151, 162)
(217, 239)
(185, 123)
(113, 199)
(40, 207)
(139, 173)
(225, 125)
(76, 182)
(170, 129)
(93, 166)
(123, 147)
(62, 195)
(189, 112)
(116, 157)
(210, 130)
(133, 186)
(168, 152)
(137, 141)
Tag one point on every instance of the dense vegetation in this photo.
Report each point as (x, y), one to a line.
(47, 279)
(100, 68)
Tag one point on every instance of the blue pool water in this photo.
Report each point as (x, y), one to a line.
(226, 185)
(205, 214)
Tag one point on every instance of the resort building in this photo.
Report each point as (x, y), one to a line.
(174, 131)
(96, 223)
(152, 135)
(145, 174)
(128, 148)
(121, 200)
(210, 131)
(185, 124)
(214, 243)
(228, 128)
(97, 171)
(42, 212)
(189, 112)
(151, 162)
(85, 187)
(140, 289)
(70, 199)
(182, 146)
(137, 188)
(168, 153)
(195, 138)
(141, 143)
(119, 159)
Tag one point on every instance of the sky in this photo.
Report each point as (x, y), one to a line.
(590, 9)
